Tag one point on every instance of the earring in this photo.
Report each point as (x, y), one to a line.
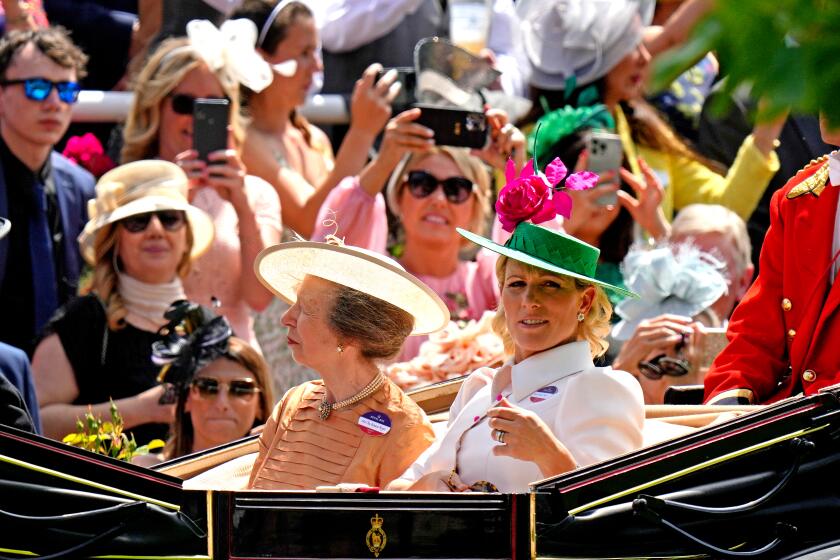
(580, 317)
(339, 348)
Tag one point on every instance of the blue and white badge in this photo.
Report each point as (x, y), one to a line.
(543, 393)
(375, 423)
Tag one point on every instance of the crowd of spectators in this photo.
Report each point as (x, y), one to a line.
(91, 263)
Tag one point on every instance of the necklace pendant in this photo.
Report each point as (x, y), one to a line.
(324, 409)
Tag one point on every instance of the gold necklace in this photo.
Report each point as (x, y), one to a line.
(326, 408)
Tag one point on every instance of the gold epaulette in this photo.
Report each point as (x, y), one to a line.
(815, 183)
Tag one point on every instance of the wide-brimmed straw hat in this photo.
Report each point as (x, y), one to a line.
(281, 269)
(5, 226)
(550, 250)
(140, 187)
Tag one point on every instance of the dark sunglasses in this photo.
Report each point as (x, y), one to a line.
(421, 184)
(663, 365)
(38, 89)
(209, 387)
(171, 220)
(183, 103)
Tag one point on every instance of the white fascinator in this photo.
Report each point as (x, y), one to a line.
(680, 280)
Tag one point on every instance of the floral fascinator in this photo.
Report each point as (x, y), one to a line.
(193, 337)
(684, 282)
(536, 196)
(230, 49)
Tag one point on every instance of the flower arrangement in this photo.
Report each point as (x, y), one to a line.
(537, 196)
(86, 151)
(455, 351)
(108, 438)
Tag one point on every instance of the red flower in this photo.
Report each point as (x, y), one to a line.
(534, 196)
(87, 152)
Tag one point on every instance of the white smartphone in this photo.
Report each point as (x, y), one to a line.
(605, 154)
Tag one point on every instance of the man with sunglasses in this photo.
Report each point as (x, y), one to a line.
(41, 192)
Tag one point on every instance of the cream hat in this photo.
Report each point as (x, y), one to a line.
(140, 187)
(583, 39)
(281, 269)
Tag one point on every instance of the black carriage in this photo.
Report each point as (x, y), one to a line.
(760, 485)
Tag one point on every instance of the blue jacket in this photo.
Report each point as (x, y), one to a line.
(14, 366)
(74, 186)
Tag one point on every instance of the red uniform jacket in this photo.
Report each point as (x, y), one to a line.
(784, 336)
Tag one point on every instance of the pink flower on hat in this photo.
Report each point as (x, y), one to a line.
(535, 196)
(87, 151)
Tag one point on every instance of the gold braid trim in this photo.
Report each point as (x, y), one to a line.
(814, 184)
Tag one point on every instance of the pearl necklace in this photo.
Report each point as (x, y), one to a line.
(326, 408)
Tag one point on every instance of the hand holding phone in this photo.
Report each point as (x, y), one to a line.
(210, 122)
(605, 154)
(407, 78)
(454, 127)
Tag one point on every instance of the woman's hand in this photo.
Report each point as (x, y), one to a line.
(505, 142)
(646, 207)
(588, 211)
(439, 481)
(527, 438)
(224, 172)
(370, 105)
(653, 337)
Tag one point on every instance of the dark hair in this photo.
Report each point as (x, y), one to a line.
(181, 438)
(54, 42)
(259, 11)
(378, 327)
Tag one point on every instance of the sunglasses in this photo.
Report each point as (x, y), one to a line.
(209, 387)
(421, 184)
(171, 220)
(38, 89)
(663, 365)
(183, 103)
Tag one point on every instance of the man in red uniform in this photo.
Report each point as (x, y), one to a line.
(785, 334)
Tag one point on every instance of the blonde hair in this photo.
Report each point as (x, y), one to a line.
(162, 73)
(593, 329)
(697, 219)
(181, 441)
(103, 280)
(472, 168)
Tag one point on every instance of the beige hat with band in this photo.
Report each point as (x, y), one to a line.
(281, 269)
(141, 187)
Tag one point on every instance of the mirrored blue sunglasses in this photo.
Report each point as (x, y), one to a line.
(38, 89)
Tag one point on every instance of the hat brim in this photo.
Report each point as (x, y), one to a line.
(539, 263)
(282, 268)
(198, 220)
(5, 226)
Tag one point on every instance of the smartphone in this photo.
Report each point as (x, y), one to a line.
(210, 122)
(454, 127)
(709, 343)
(407, 77)
(605, 154)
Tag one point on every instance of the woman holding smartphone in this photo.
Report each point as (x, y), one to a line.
(245, 209)
(432, 190)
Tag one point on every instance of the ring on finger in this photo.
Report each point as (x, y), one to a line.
(500, 436)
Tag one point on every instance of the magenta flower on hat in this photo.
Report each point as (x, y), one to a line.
(536, 196)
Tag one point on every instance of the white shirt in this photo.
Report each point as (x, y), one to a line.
(834, 178)
(597, 413)
(349, 24)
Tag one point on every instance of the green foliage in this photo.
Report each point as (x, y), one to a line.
(108, 438)
(787, 50)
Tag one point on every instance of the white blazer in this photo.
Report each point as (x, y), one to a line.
(598, 413)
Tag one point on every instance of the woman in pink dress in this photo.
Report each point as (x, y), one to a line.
(432, 190)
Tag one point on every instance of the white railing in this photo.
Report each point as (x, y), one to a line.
(113, 106)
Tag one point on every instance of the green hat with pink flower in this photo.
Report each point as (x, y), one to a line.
(533, 198)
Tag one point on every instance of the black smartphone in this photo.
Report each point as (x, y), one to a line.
(210, 122)
(407, 77)
(454, 127)
(605, 154)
